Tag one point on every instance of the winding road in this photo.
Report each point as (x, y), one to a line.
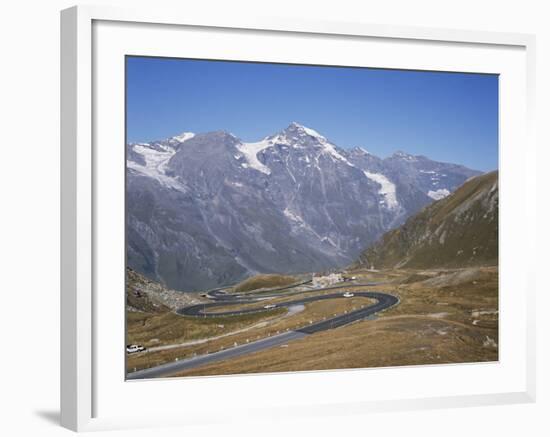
(383, 301)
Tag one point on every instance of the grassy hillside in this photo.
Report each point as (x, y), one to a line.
(457, 231)
(264, 281)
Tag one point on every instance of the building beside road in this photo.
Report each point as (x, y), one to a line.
(327, 280)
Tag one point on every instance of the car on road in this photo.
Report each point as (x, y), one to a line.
(268, 307)
(134, 348)
(348, 294)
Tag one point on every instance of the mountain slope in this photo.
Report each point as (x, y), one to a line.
(459, 230)
(143, 295)
(209, 209)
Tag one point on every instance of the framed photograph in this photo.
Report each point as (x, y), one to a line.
(258, 207)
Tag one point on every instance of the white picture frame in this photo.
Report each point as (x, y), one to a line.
(87, 402)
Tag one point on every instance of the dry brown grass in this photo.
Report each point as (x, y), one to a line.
(153, 330)
(452, 319)
(262, 325)
(449, 324)
(264, 281)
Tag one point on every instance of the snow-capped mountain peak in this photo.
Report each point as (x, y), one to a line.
(405, 156)
(358, 150)
(299, 136)
(209, 209)
(295, 136)
(308, 131)
(184, 136)
(298, 132)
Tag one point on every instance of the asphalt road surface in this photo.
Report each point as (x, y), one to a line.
(383, 301)
(237, 351)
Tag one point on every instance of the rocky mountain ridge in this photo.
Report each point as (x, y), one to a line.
(208, 209)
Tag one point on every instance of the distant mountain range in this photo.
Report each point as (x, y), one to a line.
(458, 231)
(209, 209)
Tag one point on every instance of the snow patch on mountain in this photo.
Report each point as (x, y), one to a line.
(439, 194)
(387, 188)
(329, 241)
(184, 136)
(360, 150)
(155, 164)
(155, 159)
(293, 216)
(250, 152)
(331, 150)
(310, 132)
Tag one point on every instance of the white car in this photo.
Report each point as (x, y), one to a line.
(133, 348)
(348, 294)
(268, 307)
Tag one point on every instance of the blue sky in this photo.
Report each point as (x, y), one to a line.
(450, 117)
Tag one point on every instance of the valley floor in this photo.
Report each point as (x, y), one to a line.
(444, 316)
